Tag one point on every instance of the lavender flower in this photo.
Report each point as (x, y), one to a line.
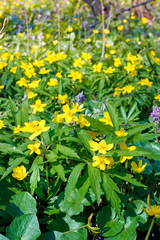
(80, 97)
(155, 114)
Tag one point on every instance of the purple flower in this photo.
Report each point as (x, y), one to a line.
(80, 97)
(155, 114)
(20, 26)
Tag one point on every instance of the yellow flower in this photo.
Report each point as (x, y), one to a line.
(31, 94)
(58, 117)
(109, 70)
(34, 84)
(44, 71)
(75, 76)
(106, 31)
(69, 114)
(127, 89)
(102, 147)
(95, 31)
(13, 70)
(3, 64)
(37, 130)
(138, 168)
(78, 62)
(128, 40)
(38, 63)
(86, 56)
(157, 97)
(106, 55)
(123, 146)
(52, 82)
(121, 133)
(89, 225)
(38, 107)
(97, 68)
(93, 135)
(153, 210)
(112, 52)
(17, 129)
(88, 40)
(1, 124)
(125, 20)
(55, 42)
(69, 29)
(144, 20)
(19, 173)
(82, 121)
(100, 161)
(120, 28)
(1, 86)
(19, 35)
(107, 45)
(59, 74)
(152, 53)
(145, 82)
(63, 98)
(107, 120)
(117, 62)
(34, 148)
(130, 67)
(22, 82)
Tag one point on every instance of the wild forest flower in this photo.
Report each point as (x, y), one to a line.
(97, 68)
(120, 28)
(19, 173)
(138, 168)
(22, 82)
(1, 124)
(123, 146)
(52, 82)
(89, 225)
(155, 114)
(37, 129)
(107, 120)
(34, 148)
(101, 161)
(17, 129)
(82, 121)
(153, 210)
(102, 147)
(121, 133)
(13, 70)
(80, 97)
(38, 106)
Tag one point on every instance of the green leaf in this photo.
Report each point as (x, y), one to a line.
(138, 128)
(82, 192)
(67, 151)
(8, 148)
(110, 189)
(15, 112)
(129, 178)
(35, 169)
(73, 178)
(95, 179)
(129, 231)
(3, 237)
(99, 126)
(113, 113)
(22, 203)
(13, 164)
(24, 227)
(60, 170)
(24, 111)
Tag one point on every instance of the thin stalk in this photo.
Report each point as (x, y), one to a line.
(26, 185)
(59, 26)
(150, 229)
(76, 229)
(27, 33)
(103, 34)
(47, 179)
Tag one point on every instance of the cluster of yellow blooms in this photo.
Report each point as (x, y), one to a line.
(102, 147)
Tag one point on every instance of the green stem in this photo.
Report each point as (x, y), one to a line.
(150, 229)
(47, 179)
(76, 229)
(26, 185)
